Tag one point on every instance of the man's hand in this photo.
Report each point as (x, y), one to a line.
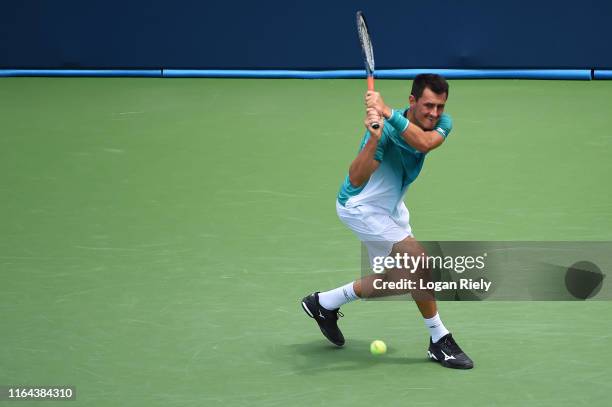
(374, 100)
(372, 116)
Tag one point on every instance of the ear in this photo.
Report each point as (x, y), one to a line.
(412, 100)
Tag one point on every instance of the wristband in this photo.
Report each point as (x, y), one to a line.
(399, 122)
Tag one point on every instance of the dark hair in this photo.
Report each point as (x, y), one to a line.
(433, 81)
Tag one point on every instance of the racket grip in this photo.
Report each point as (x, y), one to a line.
(374, 125)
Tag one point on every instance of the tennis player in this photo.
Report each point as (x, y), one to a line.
(370, 202)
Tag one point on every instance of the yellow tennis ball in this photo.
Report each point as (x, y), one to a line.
(378, 347)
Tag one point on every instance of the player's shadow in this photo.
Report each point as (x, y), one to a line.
(318, 355)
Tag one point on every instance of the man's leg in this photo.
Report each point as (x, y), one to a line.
(424, 299)
(442, 346)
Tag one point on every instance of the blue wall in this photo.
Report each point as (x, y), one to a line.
(314, 34)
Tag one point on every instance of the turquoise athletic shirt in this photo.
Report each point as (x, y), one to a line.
(400, 164)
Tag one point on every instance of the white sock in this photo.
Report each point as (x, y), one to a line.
(337, 297)
(436, 328)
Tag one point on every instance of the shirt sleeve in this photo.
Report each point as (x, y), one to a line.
(444, 125)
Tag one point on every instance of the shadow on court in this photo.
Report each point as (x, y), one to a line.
(320, 356)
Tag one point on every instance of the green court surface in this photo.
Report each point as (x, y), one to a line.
(158, 234)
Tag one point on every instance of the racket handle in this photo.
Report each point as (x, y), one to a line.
(374, 125)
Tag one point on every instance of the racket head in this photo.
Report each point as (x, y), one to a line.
(367, 51)
(366, 43)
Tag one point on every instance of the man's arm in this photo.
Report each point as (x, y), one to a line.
(423, 141)
(364, 165)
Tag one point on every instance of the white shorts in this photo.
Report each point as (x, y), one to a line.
(378, 230)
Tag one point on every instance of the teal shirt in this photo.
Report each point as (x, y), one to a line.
(400, 166)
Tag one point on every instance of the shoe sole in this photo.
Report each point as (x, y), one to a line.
(306, 310)
(447, 365)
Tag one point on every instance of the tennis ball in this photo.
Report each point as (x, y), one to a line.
(378, 347)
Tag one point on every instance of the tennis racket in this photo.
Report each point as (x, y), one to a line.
(367, 51)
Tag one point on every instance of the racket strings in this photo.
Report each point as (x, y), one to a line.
(366, 44)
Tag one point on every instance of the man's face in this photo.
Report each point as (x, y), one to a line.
(427, 109)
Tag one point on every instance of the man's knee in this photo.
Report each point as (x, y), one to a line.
(409, 246)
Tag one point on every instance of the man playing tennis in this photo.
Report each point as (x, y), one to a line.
(370, 203)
